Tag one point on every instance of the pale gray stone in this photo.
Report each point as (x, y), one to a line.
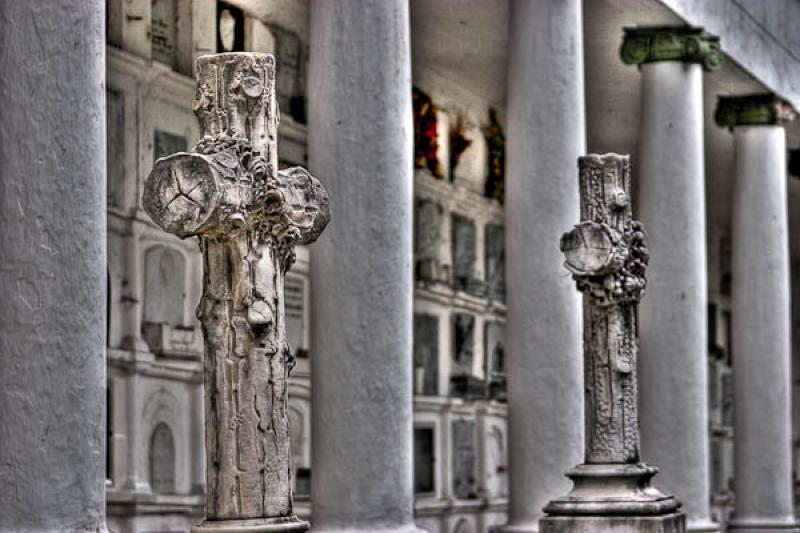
(545, 134)
(247, 216)
(673, 316)
(53, 274)
(360, 138)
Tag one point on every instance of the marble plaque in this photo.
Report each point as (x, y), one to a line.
(463, 249)
(165, 144)
(115, 147)
(424, 461)
(426, 354)
(428, 220)
(463, 343)
(288, 66)
(163, 32)
(727, 399)
(496, 261)
(495, 342)
(294, 305)
(464, 486)
(164, 286)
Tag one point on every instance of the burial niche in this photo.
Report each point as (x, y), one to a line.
(162, 460)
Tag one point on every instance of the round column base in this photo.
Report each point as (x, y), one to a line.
(613, 489)
(289, 524)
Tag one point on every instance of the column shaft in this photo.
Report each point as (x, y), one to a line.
(761, 331)
(52, 266)
(360, 145)
(673, 338)
(546, 135)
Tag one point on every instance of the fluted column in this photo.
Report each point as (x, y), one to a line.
(360, 144)
(673, 334)
(545, 136)
(52, 266)
(761, 315)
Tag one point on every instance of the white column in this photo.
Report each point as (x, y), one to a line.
(673, 316)
(545, 137)
(136, 478)
(52, 266)
(360, 146)
(761, 331)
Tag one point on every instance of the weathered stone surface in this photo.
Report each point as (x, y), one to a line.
(607, 256)
(248, 216)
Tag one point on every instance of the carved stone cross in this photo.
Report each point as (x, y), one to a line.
(247, 216)
(607, 256)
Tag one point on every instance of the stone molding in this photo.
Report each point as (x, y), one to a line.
(689, 44)
(764, 109)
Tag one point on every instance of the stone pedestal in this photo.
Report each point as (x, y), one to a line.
(674, 367)
(247, 217)
(669, 523)
(607, 256)
(52, 266)
(761, 315)
(545, 135)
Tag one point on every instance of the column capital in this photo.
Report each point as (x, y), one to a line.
(689, 44)
(764, 109)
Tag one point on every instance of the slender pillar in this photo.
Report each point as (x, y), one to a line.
(247, 216)
(360, 143)
(52, 266)
(545, 136)
(761, 315)
(674, 383)
(135, 479)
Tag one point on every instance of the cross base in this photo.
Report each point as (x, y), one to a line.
(613, 490)
(670, 523)
(289, 524)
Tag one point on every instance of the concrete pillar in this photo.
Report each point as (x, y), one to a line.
(360, 145)
(52, 266)
(545, 136)
(761, 315)
(673, 334)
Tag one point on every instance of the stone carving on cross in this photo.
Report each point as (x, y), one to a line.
(247, 216)
(607, 255)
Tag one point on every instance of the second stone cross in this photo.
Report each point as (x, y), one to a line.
(607, 256)
(247, 216)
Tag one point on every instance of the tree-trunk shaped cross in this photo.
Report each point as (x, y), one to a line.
(247, 216)
(607, 256)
